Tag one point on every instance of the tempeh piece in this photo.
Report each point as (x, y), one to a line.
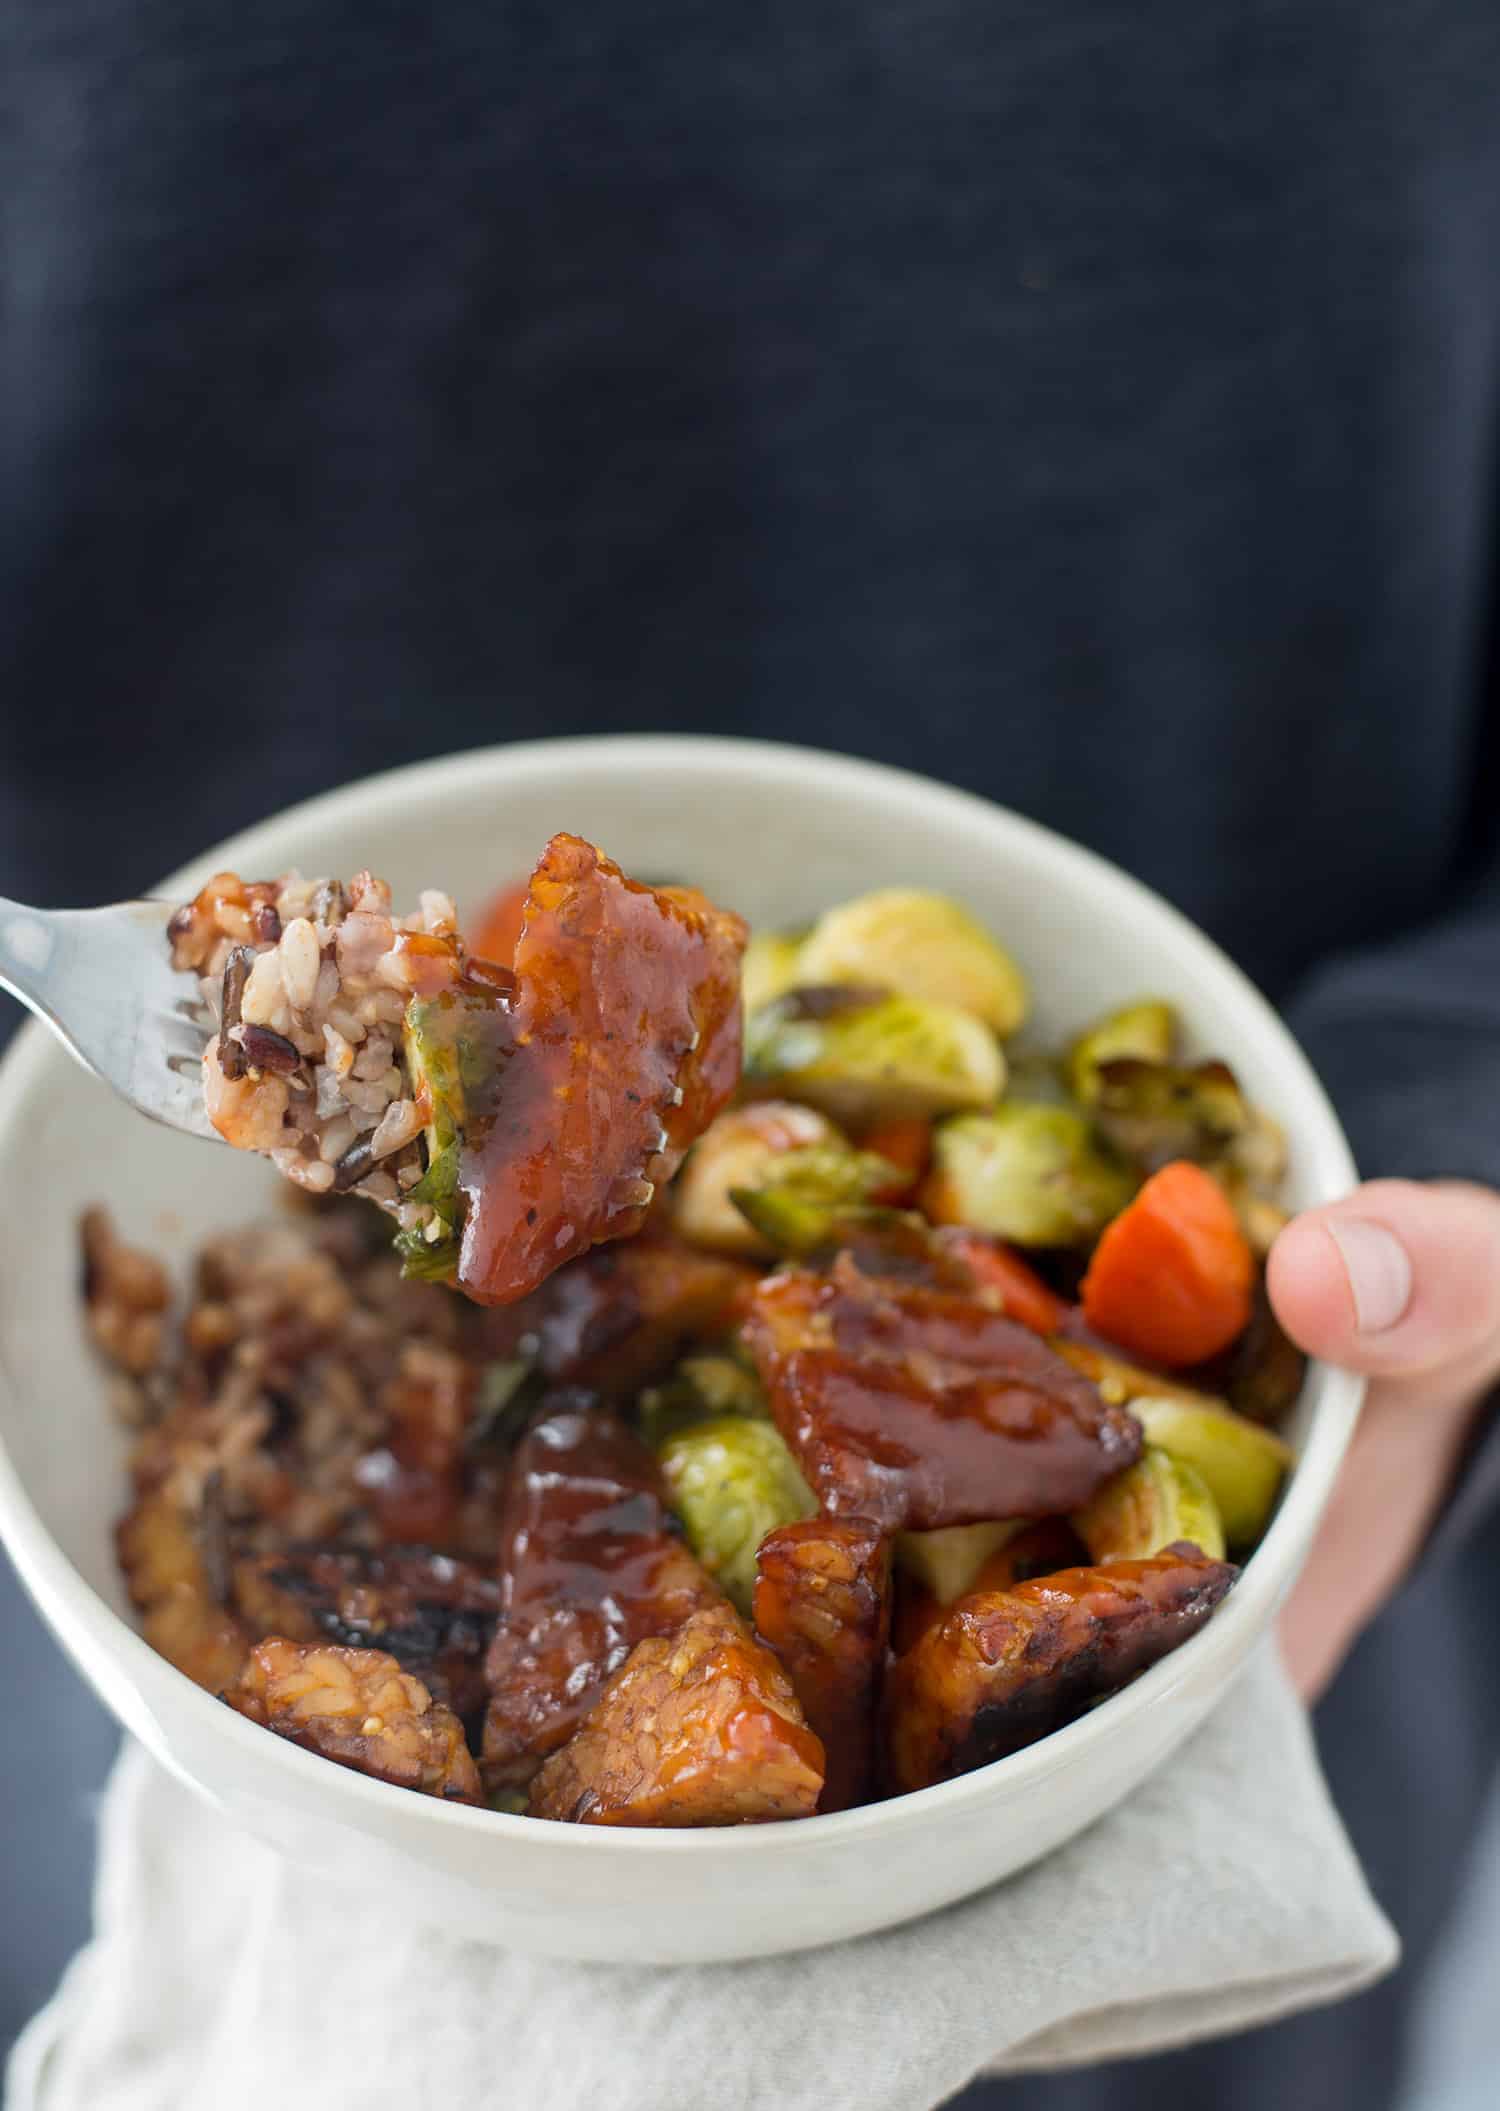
(359, 1708)
(699, 1728)
(1003, 1668)
(823, 1603)
(590, 1565)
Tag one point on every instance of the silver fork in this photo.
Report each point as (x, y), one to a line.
(104, 982)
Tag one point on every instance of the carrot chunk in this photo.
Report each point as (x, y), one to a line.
(1171, 1278)
(1023, 1294)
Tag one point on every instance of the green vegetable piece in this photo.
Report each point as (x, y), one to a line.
(732, 1480)
(864, 1057)
(1153, 1503)
(446, 1043)
(1146, 1030)
(1250, 1172)
(1242, 1464)
(700, 1387)
(1026, 1172)
(769, 968)
(742, 1148)
(426, 1260)
(922, 945)
(948, 1561)
(1156, 1112)
(807, 1194)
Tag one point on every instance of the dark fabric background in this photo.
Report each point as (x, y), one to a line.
(1091, 406)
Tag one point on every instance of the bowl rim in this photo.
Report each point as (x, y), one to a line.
(70, 1604)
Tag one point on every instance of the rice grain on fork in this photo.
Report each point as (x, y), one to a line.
(311, 980)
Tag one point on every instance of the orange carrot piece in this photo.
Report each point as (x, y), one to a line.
(1025, 1297)
(906, 1142)
(1172, 1276)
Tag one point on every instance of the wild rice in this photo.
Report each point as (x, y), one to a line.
(310, 980)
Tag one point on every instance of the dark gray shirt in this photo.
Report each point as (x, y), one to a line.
(1093, 406)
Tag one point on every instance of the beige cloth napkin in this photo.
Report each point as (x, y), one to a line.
(222, 1978)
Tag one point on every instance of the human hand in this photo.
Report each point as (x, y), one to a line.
(1400, 1281)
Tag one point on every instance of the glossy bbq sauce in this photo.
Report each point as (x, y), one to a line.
(614, 1047)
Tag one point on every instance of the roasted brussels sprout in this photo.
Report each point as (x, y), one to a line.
(947, 1561)
(1154, 1113)
(700, 1387)
(923, 946)
(807, 1194)
(1153, 1504)
(732, 1480)
(742, 1149)
(862, 1056)
(1250, 1172)
(1025, 1172)
(1241, 1464)
(770, 968)
(1147, 1031)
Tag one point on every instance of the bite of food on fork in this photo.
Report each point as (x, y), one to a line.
(362, 1052)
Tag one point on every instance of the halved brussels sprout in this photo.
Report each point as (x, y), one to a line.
(922, 945)
(740, 1149)
(1250, 1172)
(1242, 1464)
(807, 1194)
(1147, 1031)
(1025, 1172)
(864, 1057)
(732, 1480)
(948, 1560)
(1154, 1503)
(701, 1388)
(1156, 1112)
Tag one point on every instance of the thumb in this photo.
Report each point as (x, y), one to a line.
(1398, 1280)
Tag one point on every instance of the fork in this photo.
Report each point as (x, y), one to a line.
(103, 980)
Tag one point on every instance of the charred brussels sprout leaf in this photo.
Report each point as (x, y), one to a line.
(864, 1057)
(1156, 1112)
(1026, 1172)
(732, 1480)
(924, 946)
(427, 1260)
(1153, 1504)
(1146, 1031)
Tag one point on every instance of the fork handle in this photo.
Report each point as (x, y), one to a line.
(28, 952)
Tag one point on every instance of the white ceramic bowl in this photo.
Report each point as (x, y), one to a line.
(777, 833)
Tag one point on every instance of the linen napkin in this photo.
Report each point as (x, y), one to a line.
(1223, 1893)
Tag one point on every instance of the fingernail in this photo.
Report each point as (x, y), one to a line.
(1379, 1271)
